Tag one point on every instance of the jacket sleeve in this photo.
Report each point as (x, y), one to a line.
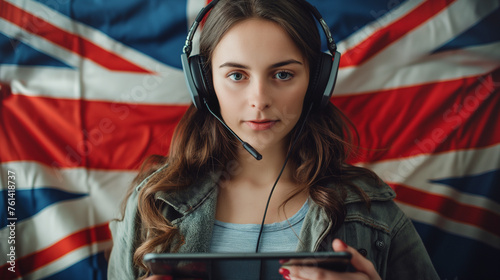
(408, 258)
(125, 236)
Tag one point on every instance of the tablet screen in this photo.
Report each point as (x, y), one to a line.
(241, 266)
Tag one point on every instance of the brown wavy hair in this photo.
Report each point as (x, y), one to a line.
(201, 145)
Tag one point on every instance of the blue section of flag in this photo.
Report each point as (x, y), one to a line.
(15, 52)
(457, 257)
(159, 28)
(156, 28)
(478, 184)
(483, 32)
(95, 267)
(30, 202)
(345, 20)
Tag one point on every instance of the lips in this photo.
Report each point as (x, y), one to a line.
(261, 124)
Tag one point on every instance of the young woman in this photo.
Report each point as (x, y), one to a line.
(209, 194)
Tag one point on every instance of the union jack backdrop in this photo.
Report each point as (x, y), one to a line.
(89, 88)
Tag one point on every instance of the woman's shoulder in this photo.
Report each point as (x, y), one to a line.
(374, 188)
(380, 212)
(383, 229)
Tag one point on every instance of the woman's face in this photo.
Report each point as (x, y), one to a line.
(260, 78)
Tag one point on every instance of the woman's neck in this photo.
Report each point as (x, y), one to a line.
(262, 172)
(244, 191)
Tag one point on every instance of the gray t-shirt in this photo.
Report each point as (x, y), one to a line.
(276, 237)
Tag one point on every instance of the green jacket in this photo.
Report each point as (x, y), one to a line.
(383, 234)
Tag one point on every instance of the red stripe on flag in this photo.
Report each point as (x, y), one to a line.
(426, 119)
(72, 42)
(66, 245)
(448, 207)
(383, 37)
(76, 133)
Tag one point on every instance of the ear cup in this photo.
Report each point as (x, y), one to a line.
(207, 78)
(318, 80)
(202, 81)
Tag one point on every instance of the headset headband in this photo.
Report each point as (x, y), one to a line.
(332, 47)
(189, 40)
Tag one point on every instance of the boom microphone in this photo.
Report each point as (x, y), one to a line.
(247, 146)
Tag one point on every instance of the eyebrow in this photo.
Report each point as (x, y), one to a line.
(276, 65)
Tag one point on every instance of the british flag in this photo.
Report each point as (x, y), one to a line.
(89, 88)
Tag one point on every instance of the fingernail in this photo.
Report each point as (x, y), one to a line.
(285, 272)
(283, 261)
(343, 244)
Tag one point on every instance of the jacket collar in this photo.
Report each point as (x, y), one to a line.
(191, 197)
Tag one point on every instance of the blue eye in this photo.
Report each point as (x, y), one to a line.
(235, 76)
(283, 75)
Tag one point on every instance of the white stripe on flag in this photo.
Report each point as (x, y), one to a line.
(165, 88)
(417, 171)
(447, 225)
(69, 260)
(95, 36)
(105, 191)
(39, 43)
(449, 65)
(414, 51)
(378, 23)
(32, 175)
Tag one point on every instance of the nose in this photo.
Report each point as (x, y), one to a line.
(260, 97)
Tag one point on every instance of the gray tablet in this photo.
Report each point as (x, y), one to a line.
(240, 266)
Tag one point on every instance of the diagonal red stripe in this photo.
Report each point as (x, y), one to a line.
(449, 208)
(426, 119)
(72, 42)
(36, 260)
(383, 37)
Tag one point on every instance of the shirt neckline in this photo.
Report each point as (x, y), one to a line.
(292, 221)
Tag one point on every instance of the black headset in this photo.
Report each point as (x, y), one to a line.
(321, 82)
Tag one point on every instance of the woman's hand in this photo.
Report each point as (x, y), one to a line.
(364, 268)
